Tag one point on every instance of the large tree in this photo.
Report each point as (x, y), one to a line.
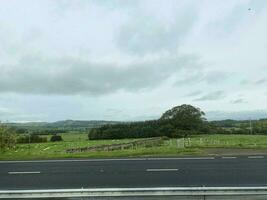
(184, 117)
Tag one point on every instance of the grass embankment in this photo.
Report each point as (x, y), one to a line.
(195, 145)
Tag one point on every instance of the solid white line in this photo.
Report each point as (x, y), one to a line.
(255, 157)
(161, 170)
(135, 189)
(228, 157)
(24, 172)
(188, 158)
(104, 160)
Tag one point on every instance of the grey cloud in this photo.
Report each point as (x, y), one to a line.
(238, 101)
(63, 75)
(190, 77)
(112, 111)
(254, 82)
(261, 81)
(41, 75)
(195, 93)
(144, 34)
(211, 96)
(200, 75)
(237, 16)
(215, 76)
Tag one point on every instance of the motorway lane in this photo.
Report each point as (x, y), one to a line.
(181, 172)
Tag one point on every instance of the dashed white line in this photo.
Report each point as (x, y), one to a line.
(255, 157)
(13, 173)
(228, 157)
(161, 170)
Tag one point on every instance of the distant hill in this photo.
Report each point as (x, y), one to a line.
(229, 123)
(259, 126)
(241, 115)
(63, 125)
(79, 124)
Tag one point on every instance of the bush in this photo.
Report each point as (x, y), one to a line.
(7, 138)
(31, 139)
(56, 138)
(165, 138)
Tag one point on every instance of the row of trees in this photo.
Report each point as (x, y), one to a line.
(31, 139)
(9, 138)
(39, 132)
(37, 139)
(242, 126)
(179, 121)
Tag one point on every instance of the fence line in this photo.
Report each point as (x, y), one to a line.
(121, 146)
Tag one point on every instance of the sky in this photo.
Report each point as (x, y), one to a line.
(131, 60)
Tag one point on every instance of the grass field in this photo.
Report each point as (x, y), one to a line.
(229, 141)
(173, 147)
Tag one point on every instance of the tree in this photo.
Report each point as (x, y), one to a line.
(184, 117)
(7, 138)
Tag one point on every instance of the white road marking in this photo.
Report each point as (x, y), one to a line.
(23, 173)
(228, 157)
(161, 170)
(255, 157)
(104, 160)
(188, 158)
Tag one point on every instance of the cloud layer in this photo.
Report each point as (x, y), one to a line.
(67, 75)
(87, 59)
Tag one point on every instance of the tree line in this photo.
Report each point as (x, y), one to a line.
(179, 121)
(228, 126)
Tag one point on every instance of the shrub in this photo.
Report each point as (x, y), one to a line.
(56, 138)
(7, 138)
(165, 138)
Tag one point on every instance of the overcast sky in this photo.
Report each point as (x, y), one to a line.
(131, 60)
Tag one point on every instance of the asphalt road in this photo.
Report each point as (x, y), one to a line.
(180, 172)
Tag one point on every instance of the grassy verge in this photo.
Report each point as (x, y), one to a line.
(194, 146)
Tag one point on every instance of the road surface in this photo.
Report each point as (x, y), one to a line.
(117, 173)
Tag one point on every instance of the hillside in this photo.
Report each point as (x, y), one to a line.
(62, 125)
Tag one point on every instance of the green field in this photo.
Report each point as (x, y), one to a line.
(194, 145)
(229, 141)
